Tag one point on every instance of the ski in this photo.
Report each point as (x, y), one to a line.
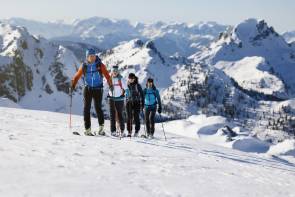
(143, 136)
(76, 133)
(118, 137)
(105, 135)
(79, 134)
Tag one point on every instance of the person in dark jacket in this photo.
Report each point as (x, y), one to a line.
(93, 71)
(134, 104)
(152, 103)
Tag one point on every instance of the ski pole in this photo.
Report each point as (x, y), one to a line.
(163, 127)
(143, 117)
(71, 103)
(130, 122)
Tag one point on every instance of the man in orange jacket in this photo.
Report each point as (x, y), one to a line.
(93, 71)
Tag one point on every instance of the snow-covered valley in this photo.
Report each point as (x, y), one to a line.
(41, 157)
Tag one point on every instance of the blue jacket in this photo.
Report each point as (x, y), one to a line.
(92, 76)
(151, 98)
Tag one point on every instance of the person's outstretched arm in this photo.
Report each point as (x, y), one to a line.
(77, 76)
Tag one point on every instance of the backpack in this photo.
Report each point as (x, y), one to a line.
(94, 77)
(134, 94)
(150, 97)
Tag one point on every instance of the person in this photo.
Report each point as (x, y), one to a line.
(134, 104)
(116, 102)
(152, 103)
(93, 71)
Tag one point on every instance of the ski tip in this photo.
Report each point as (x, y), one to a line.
(76, 133)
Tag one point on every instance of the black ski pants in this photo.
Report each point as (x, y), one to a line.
(94, 94)
(133, 111)
(116, 113)
(149, 115)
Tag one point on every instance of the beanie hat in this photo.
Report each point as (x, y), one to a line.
(90, 52)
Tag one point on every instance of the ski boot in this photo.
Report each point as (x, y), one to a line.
(122, 134)
(129, 134)
(88, 132)
(135, 134)
(114, 134)
(150, 136)
(100, 130)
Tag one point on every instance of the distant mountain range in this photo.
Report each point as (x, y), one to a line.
(170, 38)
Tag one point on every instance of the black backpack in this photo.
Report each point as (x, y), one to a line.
(134, 92)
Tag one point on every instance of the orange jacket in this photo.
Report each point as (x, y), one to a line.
(79, 74)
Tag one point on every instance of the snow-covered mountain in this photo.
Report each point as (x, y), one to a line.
(256, 57)
(145, 60)
(186, 87)
(289, 36)
(34, 72)
(101, 32)
(38, 144)
(181, 38)
(45, 29)
(77, 48)
(170, 38)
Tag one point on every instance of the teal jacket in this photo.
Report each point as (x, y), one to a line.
(152, 98)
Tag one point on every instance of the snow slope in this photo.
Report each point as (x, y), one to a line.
(251, 73)
(40, 157)
(5, 102)
(286, 147)
(215, 130)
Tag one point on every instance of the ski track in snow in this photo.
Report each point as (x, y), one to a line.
(40, 157)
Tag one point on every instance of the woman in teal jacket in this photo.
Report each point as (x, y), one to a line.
(152, 102)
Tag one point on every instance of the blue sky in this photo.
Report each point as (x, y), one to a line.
(280, 14)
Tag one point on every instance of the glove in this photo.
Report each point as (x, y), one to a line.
(160, 110)
(72, 86)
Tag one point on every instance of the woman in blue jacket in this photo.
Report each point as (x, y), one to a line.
(152, 103)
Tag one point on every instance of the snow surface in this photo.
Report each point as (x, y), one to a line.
(286, 147)
(40, 157)
(5, 102)
(209, 129)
